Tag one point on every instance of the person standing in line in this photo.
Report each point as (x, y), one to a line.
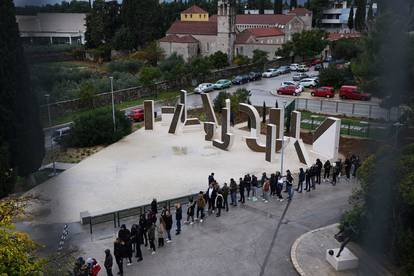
(154, 206)
(266, 188)
(273, 184)
(211, 196)
(119, 255)
(312, 172)
(334, 173)
(211, 178)
(201, 203)
(289, 184)
(190, 212)
(255, 184)
(178, 217)
(143, 226)
(108, 262)
(262, 181)
(233, 192)
(279, 186)
(319, 166)
(151, 237)
(136, 241)
(347, 165)
(247, 183)
(307, 180)
(219, 202)
(327, 170)
(161, 232)
(301, 180)
(225, 193)
(168, 224)
(125, 235)
(241, 190)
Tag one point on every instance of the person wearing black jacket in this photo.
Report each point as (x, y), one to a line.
(125, 235)
(154, 206)
(255, 184)
(219, 202)
(136, 239)
(119, 253)
(301, 180)
(327, 169)
(178, 217)
(242, 187)
(308, 180)
(108, 262)
(225, 194)
(279, 186)
(289, 184)
(273, 184)
(168, 224)
(211, 197)
(247, 181)
(347, 165)
(318, 170)
(233, 192)
(143, 227)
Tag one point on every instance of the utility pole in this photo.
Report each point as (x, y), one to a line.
(47, 96)
(113, 102)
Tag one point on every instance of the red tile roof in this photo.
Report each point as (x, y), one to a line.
(178, 39)
(268, 19)
(193, 27)
(300, 11)
(337, 36)
(194, 9)
(249, 36)
(266, 32)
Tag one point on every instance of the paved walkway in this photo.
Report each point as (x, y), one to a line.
(308, 255)
(59, 166)
(254, 239)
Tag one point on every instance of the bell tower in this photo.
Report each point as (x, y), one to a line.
(226, 27)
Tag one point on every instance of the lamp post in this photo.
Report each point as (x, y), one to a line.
(398, 126)
(283, 140)
(113, 102)
(47, 96)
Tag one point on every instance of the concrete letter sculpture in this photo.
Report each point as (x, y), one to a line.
(211, 123)
(183, 101)
(277, 117)
(149, 115)
(227, 138)
(270, 142)
(295, 125)
(326, 138)
(174, 123)
(254, 117)
(167, 113)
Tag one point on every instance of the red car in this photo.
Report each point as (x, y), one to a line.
(289, 90)
(136, 114)
(323, 91)
(352, 92)
(315, 61)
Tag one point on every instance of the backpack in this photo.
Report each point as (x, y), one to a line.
(266, 186)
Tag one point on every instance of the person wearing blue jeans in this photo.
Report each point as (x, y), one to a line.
(178, 217)
(289, 183)
(233, 192)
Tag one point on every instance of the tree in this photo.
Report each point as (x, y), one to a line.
(151, 54)
(278, 6)
(360, 15)
(286, 50)
(351, 18)
(20, 128)
(173, 67)
(123, 40)
(241, 60)
(335, 77)
(149, 75)
(7, 174)
(260, 58)
(17, 250)
(219, 60)
(199, 68)
(95, 25)
(346, 49)
(317, 7)
(261, 6)
(86, 93)
(308, 44)
(142, 19)
(240, 96)
(293, 4)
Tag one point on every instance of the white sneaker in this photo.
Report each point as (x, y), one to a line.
(168, 241)
(128, 264)
(266, 201)
(153, 253)
(191, 223)
(201, 220)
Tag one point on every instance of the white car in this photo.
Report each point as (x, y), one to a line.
(204, 87)
(271, 72)
(308, 82)
(294, 67)
(290, 83)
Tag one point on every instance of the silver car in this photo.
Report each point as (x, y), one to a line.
(204, 87)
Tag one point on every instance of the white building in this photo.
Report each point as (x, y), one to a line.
(52, 28)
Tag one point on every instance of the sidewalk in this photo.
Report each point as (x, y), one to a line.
(308, 255)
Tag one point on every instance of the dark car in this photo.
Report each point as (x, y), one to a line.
(254, 76)
(241, 79)
(284, 70)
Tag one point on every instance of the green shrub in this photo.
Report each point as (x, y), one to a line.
(219, 60)
(126, 66)
(240, 96)
(96, 128)
(335, 77)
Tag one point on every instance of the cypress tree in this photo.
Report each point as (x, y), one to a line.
(278, 6)
(360, 15)
(293, 4)
(351, 18)
(20, 126)
(261, 6)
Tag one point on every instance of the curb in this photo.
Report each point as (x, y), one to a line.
(295, 245)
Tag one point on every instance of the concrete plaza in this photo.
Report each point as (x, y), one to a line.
(149, 164)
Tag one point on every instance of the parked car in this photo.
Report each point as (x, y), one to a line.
(352, 92)
(221, 84)
(307, 82)
(294, 67)
(323, 91)
(290, 83)
(289, 90)
(254, 76)
(302, 68)
(59, 134)
(204, 87)
(299, 76)
(241, 79)
(271, 72)
(318, 67)
(136, 114)
(283, 70)
(315, 61)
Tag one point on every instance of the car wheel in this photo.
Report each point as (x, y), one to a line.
(278, 92)
(313, 94)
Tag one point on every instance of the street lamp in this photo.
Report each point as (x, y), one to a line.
(398, 126)
(47, 96)
(113, 102)
(283, 140)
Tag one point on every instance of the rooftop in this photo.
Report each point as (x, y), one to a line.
(194, 9)
(300, 12)
(193, 27)
(52, 22)
(177, 39)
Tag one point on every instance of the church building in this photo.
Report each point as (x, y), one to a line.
(199, 34)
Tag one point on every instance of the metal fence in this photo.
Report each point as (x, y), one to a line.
(365, 110)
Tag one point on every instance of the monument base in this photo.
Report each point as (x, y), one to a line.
(346, 261)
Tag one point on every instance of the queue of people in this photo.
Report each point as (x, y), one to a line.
(216, 198)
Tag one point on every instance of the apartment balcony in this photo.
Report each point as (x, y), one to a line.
(331, 21)
(332, 11)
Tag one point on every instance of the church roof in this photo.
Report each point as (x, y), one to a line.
(300, 12)
(264, 19)
(249, 36)
(193, 27)
(337, 36)
(178, 39)
(194, 9)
